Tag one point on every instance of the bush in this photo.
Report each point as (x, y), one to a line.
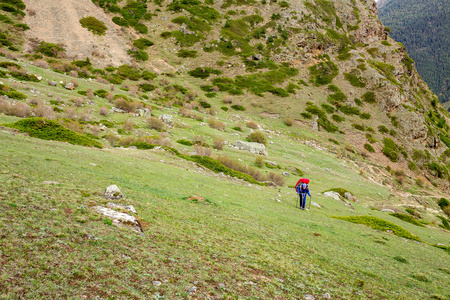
(185, 142)
(276, 178)
(219, 143)
(323, 73)
(187, 53)
(407, 218)
(289, 122)
(51, 130)
(258, 137)
(380, 224)
(238, 107)
(204, 72)
(142, 43)
(443, 203)
(49, 49)
(252, 125)
(390, 149)
(383, 129)
(156, 124)
(355, 80)
(365, 116)
(337, 118)
(369, 97)
(369, 148)
(216, 124)
(94, 25)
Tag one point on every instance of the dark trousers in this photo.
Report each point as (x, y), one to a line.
(302, 200)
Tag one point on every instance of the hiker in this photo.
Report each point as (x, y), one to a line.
(302, 191)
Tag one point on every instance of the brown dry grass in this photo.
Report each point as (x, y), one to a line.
(156, 124)
(216, 124)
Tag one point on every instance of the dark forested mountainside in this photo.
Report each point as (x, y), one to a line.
(423, 27)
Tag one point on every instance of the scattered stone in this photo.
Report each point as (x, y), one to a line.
(350, 197)
(52, 83)
(120, 219)
(113, 192)
(167, 119)
(316, 204)
(388, 210)
(124, 207)
(286, 174)
(326, 296)
(221, 285)
(117, 110)
(309, 297)
(50, 182)
(156, 283)
(256, 148)
(69, 86)
(193, 289)
(272, 163)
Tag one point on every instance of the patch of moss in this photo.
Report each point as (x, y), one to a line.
(51, 130)
(380, 224)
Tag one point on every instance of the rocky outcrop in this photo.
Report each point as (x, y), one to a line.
(120, 219)
(167, 119)
(255, 148)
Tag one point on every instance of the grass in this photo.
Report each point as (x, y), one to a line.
(37, 225)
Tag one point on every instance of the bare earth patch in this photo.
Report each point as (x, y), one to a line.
(58, 22)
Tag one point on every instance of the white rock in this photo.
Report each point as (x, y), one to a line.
(113, 192)
(333, 195)
(119, 219)
(256, 148)
(387, 210)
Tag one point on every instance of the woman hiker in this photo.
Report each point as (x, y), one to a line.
(302, 191)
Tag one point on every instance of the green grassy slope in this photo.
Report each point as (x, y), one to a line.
(240, 243)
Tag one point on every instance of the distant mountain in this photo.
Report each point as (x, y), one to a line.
(423, 26)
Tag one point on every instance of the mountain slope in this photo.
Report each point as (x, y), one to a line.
(423, 26)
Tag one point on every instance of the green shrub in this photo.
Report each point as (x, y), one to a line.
(6, 64)
(383, 129)
(344, 56)
(52, 130)
(138, 55)
(306, 115)
(323, 73)
(337, 118)
(355, 80)
(349, 110)
(369, 97)
(185, 142)
(334, 141)
(146, 87)
(142, 43)
(187, 53)
(420, 277)
(443, 203)
(204, 72)
(49, 49)
(329, 109)
(257, 137)
(369, 148)
(401, 259)
(438, 170)
(365, 116)
(359, 127)
(238, 107)
(380, 224)
(407, 218)
(313, 109)
(127, 71)
(371, 139)
(94, 25)
(445, 223)
(390, 149)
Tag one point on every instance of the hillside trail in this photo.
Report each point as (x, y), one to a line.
(59, 22)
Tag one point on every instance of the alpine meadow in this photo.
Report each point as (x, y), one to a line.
(159, 150)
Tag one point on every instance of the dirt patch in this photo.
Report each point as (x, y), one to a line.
(58, 22)
(270, 115)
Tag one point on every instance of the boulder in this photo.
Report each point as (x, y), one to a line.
(120, 219)
(124, 207)
(286, 174)
(388, 210)
(52, 83)
(117, 110)
(113, 192)
(69, 86)
(167, 119)
(350, 197)
(333, 195)
(256, 148)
